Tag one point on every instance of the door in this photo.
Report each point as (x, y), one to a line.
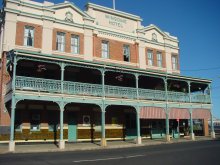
(131, 131)
(72, 128)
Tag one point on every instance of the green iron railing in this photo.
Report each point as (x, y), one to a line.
(150, 94)
(77, 88)
(38, 84)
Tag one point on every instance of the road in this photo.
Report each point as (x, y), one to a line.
(192, 153)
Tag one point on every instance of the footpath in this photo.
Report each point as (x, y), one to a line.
(29, 147)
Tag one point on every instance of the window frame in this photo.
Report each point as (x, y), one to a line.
(176, 62)
(128, 54)
(159, 61)
(26, 43)
(73, 46)
(64, 42)
(103, 50)
(150, 59)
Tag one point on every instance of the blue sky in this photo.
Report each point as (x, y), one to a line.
(196, 23)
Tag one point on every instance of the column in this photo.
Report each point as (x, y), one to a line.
(13, 106)
(167, 125)
(192, 136)
(138, 141)
(103, 83)
(12, 142)
(167, 113)
(61, 142)
(212, 125)
(62, 76)
(103, 139)
(137, 91)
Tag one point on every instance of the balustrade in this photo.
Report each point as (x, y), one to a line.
(77, 88)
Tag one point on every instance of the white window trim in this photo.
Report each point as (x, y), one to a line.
(150, 59)
(159, 61)
(62, 43)
(104, 50)
(73, 36)
(128, 54)
(25, 37)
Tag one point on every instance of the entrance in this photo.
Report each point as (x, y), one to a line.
(72, 128)
(130, 125)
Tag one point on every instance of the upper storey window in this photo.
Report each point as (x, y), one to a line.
(75, 44)
(159, 59)
(105, 49)
(150, 57)
(60, 42)
(174, 62)
(126, 53)
(29, 36)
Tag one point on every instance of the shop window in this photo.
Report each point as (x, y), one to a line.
(159, 59)
(29, 36)
(60, 42)
(75, 44)
(53, 120)
(105, 49)
(150, 57)
(18, 123)
(86, 120)
(35, 122)
(126, 53)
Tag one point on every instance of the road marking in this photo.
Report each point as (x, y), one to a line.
(105, 159)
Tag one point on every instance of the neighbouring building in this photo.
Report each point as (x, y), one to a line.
(73, 75)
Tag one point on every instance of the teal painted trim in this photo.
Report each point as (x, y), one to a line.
(103, 121)
(191, 122)
(39, 98)
(167, 124)
(62, 77)
(61, 120)
(138, 121)
(12, 122)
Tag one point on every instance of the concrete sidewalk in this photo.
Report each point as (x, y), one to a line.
(51, 147)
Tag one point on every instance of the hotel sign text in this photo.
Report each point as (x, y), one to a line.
(115, 21)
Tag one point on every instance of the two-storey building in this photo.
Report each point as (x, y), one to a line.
(73, 75)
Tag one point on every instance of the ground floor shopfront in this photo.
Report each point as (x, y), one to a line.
(40, 121)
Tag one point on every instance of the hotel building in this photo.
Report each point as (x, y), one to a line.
(70, 75)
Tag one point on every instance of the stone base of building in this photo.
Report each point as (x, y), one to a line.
(138, 140)
(11, 146)
(213, 135)
(192, 136)
(168, 138)
(103, 142)
(61, 144)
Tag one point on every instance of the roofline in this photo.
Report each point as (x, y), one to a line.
(113, 11)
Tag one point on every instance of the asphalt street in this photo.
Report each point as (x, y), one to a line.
(192, 153)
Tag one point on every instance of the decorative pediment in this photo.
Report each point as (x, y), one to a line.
(155, 34)
(68, 12)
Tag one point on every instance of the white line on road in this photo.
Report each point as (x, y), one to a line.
(105, 159)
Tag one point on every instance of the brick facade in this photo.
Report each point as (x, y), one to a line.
(115, 49)
(68, 40)
(4, 79)
(155, 57)
(38, 30)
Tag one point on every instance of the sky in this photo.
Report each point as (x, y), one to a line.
(196, 23)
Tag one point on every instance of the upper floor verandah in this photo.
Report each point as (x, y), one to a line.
(53, 74)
